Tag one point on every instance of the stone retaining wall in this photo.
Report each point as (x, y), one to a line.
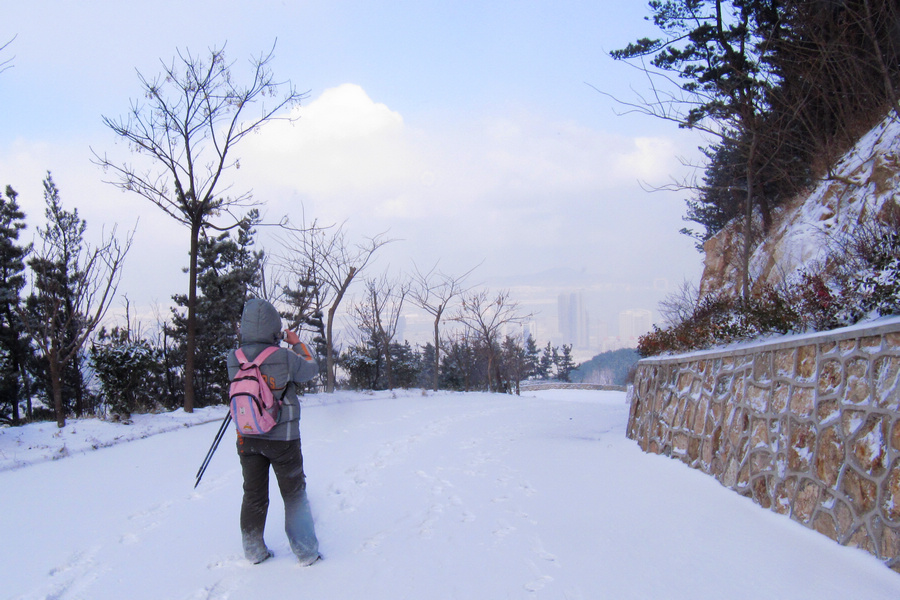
(807, 426)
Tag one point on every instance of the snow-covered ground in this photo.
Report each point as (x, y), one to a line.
(419, 496)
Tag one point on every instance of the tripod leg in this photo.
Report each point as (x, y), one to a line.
(212, 450)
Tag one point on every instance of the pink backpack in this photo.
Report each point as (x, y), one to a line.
(253, 405)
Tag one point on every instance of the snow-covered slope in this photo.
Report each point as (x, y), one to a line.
(468, 496)
(859, 188)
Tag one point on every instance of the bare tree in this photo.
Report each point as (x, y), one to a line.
(326, 257)
(195, 113)
(487, 317)
(73, 287)
(378, 314)
(433, 292)
(678, 306)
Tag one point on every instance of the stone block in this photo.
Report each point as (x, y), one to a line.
(776, 436)
(829, 457)
(870, 344)
(762, 367)
(801, 445)
(685, 379)
(696, 387)
(847, 347)
(783, 493)
(758, 398)
(806, 364)
(730, 475)
(802, 401)
(670, 413)
(693, 452)
(895, 435)
(761, 463)
(844, 517)
(740, 425)
(824, 524)
(827, 411)
(869, 447)
(679, 444)
(857, 389)
(892, 340)
(737, 388)
(886, 370)
(760, 489)
(831, 375)
(783, 362)
(717, 411)
(743, 478)
(706, 455)
(780, 397)
(759, 433)
(861, 539)
(699, 421)
(890, 543)
(851, 421)
(861, 492)
(890, 505)
(723, 386)
(807, 500)
(686, 413)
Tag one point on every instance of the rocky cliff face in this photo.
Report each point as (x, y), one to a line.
(863, 185)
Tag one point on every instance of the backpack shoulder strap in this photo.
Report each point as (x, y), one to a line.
(262, 356)
(241, 357)
(265, 354)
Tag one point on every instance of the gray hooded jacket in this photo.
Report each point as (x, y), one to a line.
(261, 327)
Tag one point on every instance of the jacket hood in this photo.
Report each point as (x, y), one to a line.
(260, 323)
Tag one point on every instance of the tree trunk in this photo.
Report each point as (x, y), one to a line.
(437, 350)
(329, 329)
(388, 364)
(748, 219)
(56, 387)
(15, 389)
(329, 350)
(190, 349)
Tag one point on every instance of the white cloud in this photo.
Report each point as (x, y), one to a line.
(349, 155)
(342, 147)
(517, 189)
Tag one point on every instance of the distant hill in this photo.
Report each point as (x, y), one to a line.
(609, 368)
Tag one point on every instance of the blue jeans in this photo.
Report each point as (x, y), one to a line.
(286, 460)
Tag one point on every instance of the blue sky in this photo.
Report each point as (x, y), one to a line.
(466, 129)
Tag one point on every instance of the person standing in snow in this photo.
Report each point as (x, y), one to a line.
(284, 371)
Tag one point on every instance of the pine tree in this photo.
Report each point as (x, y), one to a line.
(14, 348)
(565, 364)
(532, 358)
(73, 287)
(547, 362)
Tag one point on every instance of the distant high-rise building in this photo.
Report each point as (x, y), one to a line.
(574, 323)
(634, 323)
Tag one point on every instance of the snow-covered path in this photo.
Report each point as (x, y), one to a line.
(469, 496)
